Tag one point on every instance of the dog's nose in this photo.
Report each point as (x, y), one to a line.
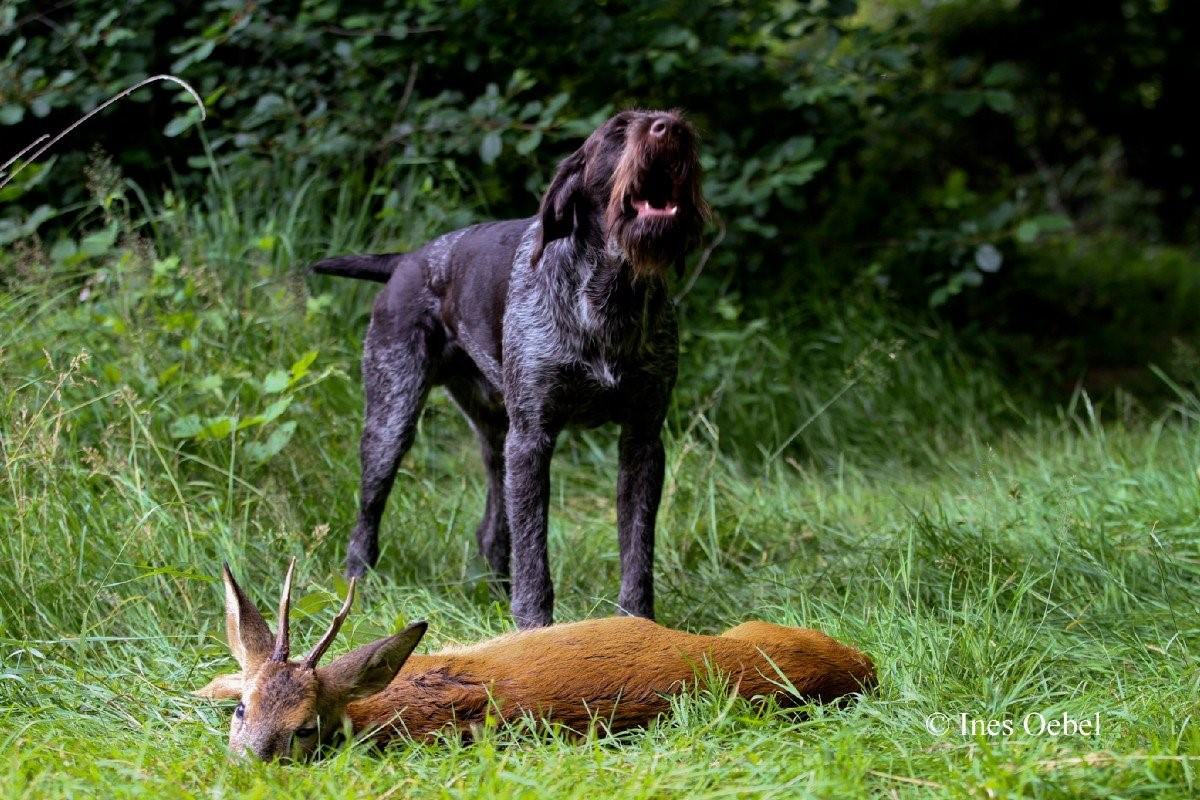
(659, 127)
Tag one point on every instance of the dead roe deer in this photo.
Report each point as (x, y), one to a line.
(620, 671)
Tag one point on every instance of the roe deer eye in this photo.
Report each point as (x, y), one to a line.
(240, 711)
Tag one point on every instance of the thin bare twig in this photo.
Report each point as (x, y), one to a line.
(337, 30)
(703, 260)
(74, 45)
(415, 30)
(1111, 759)
(34, 15)
(905, 779)
(6, 177)
(22, 152)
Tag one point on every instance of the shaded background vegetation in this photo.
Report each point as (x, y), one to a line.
(1026, 170)
(1011, 185)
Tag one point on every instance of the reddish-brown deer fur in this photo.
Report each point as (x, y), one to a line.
(620, 671)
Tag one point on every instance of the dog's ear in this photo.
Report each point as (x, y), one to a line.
(559, 204)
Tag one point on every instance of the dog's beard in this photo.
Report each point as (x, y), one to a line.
(652, 246)
(655, 211)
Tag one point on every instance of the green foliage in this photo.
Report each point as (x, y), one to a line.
(801, 104)
(336, 83)
(152, 329)
(939, 149)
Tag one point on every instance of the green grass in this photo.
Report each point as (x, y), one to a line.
(833, 468)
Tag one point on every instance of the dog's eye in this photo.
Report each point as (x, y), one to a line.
(240, 711)
(617, 125)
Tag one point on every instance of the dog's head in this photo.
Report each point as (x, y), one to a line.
(634, 184)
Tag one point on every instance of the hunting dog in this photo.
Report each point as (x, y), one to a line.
(533, 325)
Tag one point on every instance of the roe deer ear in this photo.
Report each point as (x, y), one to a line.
(370, 668)
(223, 687)
(250, 639)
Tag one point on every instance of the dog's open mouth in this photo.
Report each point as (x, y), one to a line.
(646, 208)
(656, 197)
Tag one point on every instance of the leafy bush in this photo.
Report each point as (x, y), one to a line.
(189, 352)
(938, 148)
(488, 95)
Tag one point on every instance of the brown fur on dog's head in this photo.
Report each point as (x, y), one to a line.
(634, 186)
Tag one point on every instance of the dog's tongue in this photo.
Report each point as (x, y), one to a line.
(644, 209)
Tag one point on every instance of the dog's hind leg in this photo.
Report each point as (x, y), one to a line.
(397, 363)
(492, 533)
(490, 424)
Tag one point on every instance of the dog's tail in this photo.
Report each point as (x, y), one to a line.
(376, 268)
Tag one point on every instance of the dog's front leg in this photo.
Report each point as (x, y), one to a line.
(527, 452)
(639, 489)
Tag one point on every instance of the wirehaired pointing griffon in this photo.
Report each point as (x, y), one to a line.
(533, 325)
(620, 672)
